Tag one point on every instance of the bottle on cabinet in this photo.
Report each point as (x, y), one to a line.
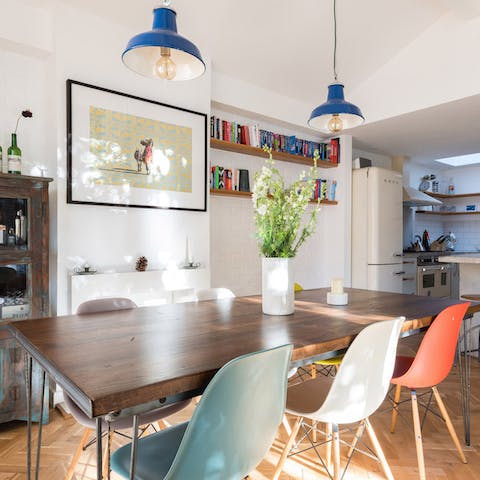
(14, 157)
(1, 160)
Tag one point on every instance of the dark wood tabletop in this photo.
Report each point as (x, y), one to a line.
(114, 360)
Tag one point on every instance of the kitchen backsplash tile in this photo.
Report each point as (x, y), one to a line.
(466, 230)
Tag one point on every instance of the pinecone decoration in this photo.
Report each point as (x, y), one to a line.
(141, 265)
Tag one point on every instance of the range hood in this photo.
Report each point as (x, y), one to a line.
(415, 198)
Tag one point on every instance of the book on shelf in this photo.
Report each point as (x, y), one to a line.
(324, 189)
(254, 136)
(229, 179)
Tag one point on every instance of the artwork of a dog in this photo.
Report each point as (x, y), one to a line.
(145, 156)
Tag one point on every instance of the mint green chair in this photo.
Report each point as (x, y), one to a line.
(230, 431)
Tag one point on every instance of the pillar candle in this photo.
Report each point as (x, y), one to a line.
(337, 286)
(188, 252)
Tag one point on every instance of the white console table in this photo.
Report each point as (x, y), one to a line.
(152, 287)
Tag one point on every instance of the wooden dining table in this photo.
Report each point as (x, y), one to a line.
(133, 360)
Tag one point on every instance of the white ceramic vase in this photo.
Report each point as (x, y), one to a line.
(277, 286)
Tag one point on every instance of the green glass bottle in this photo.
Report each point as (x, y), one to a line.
(14, 157)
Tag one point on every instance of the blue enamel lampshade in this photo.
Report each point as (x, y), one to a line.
(162, 52)
(335, 109)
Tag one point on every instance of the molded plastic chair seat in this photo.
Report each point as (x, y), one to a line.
(124, 422)
(155, 454)
(427, 369)
(231, 429)
(103, 305)
(213, 294)
(355, 393)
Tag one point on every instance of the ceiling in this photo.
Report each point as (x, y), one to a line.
(446, 130)
(287, 46)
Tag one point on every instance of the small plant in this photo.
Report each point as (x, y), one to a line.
(278, 210)
(26, 114)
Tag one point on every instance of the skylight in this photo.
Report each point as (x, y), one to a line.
(461, 161)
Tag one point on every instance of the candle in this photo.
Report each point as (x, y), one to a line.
(337, 286)
(188, 253)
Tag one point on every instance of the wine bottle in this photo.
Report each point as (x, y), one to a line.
(1, 160)
(14, 157)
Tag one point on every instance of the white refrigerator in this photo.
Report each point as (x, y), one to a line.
(377, 229)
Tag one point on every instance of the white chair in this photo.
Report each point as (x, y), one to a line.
(108, 305)
(213, 294)
(358, 389)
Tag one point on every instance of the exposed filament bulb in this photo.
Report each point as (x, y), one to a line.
(165, 67)
(335, 124)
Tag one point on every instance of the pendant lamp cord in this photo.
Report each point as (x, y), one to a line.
(335, 39)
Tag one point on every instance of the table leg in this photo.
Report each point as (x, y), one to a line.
(99, 448)
(134, 447)
(40, 424)
(464, 369)
(28, 378)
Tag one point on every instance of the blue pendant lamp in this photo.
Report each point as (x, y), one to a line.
(336, 114)
(162, 52)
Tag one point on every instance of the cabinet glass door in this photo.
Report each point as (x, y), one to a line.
(15, 291)
(14, 223)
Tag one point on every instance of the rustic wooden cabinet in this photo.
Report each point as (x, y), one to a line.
(24, 283)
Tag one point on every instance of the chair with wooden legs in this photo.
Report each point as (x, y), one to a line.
(97, 306)
(358, 389)
(219, 293)
(231, 429)
(427, 369)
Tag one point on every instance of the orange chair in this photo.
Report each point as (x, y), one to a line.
(427, 369)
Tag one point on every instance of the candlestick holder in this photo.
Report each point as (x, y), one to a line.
(337, 298)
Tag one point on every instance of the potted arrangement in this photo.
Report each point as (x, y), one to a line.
(280, 230)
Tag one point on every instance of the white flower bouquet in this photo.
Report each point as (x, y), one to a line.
(278, 211)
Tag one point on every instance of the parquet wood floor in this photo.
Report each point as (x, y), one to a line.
(61, 436)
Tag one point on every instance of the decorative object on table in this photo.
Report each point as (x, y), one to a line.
(278, 213)
(336, 114)
(162, 52)
(14, 153)
(189, 263)
(337, 296)
(154, 156)
(85, 269)
(141, 264)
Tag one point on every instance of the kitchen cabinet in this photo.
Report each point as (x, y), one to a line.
(24, 284)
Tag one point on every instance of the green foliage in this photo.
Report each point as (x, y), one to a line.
(278, 211)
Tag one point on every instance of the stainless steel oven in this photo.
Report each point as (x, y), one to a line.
(434, 280)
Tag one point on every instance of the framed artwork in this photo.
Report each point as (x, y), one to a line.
(128, 151)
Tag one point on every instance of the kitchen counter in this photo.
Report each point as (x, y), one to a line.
(461, 258)
(469, 272)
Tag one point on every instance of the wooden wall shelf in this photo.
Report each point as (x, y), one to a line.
(258, 152)
(459, 195)
(235, 193)
(447, 213)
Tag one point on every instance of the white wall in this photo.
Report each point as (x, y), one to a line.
(435, 68)
(235, 258)
(37, 59)
(110, 237)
